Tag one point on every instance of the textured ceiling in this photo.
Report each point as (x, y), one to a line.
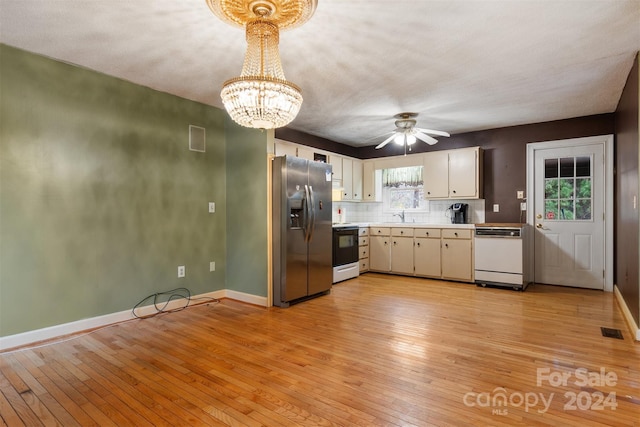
(463, 65)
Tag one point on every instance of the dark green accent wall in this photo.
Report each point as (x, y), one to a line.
(247, 226)
(100, 197)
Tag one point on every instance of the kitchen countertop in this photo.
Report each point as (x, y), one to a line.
(501, 224)
(404, 225)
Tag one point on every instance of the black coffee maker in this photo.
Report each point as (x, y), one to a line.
(459, 213)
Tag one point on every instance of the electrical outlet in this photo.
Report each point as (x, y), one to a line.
(181, 271)
(523, 206)
(212, 207)
(520, 194)
(212, 266)
(496, 208)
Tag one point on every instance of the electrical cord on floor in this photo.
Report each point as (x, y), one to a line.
(160, 304)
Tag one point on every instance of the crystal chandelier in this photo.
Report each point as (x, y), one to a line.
(261, 97)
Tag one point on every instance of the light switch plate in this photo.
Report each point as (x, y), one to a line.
(496, 207)
(212, 266)
(520, 194)
(212, 207)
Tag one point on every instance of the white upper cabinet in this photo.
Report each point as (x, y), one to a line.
(436, 175)
(357, 180)
(305, 153)
(368, 182)
(282, 149)
(347, 179)
(453, 174)
(464, 180)
(336, 163)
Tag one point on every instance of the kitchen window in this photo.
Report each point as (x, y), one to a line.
(402, 189)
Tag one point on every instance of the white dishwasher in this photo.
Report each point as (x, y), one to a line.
(500, 258)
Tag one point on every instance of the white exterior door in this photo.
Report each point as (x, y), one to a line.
(569, 216)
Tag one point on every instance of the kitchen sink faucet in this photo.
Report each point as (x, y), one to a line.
(401, 215)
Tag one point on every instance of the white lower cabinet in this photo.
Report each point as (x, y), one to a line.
(402, 250)
(379, 249)
(439, 253)
(426, 252)
(363, 248)
(457, 255)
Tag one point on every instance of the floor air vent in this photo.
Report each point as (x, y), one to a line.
(611, 333)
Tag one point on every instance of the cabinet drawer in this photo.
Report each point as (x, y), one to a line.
(380, 231)
(450, 233)
(402, 232)
(363, 241)
(427, 232)
(364, 265)
(363, 231)
(364, 253)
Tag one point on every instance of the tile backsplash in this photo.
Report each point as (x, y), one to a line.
(436, 212)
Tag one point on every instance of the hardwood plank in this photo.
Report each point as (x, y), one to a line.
(379, 350)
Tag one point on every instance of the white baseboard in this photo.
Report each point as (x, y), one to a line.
(631, 323)
(30, 337)
(248, 298)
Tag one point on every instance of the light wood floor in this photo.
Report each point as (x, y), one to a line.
(379, 350)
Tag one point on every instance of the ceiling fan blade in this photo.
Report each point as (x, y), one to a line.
(386, 141)
(433, 132)
(426, 138)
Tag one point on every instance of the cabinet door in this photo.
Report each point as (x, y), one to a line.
(436, 175)
(281, 149)
(305, 153)
(336, 162)
(456, 259)
(402, 255)
(463, 173)
(356, 183)
(347, 179)
(427, 257)
(368, 181)
(379, 253)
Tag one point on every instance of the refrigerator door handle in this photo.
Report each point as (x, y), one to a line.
(307, 214)
(312, 211)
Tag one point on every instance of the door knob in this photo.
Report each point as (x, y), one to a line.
(538, 225)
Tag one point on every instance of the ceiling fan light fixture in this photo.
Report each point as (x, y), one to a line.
(407, 134)
(261, 97)
(402, 137)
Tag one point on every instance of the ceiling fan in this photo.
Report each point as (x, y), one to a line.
(407, 133)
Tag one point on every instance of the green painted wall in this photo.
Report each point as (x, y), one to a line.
(247, 209)
(100, 198)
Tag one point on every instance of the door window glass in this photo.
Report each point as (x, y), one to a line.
(567, 183)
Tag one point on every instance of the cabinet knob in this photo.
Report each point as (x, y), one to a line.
(456, 234)
(428, 192)
(454, 191)
(402, 232)
(394, 243)
(418, 244)
(427, 233)
(446, 245)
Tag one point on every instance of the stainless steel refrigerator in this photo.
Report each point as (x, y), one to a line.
(302, 258)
